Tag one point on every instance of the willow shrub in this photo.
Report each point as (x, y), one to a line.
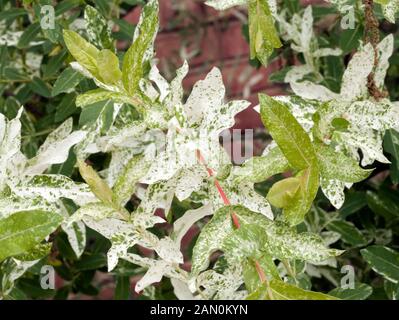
(94, 141)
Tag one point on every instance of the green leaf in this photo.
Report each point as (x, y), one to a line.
(392, 290)
(97, 185)
(125, 185)
(349, 38)
(66, 5)
(383, 260)
(23, 230)
(259, 169)
(284, 291)
(101, 112)
(262, 32)
(54, 64)
(360, 292)
(108, 65)
(251, 276)
(83, 52)
(282, 192)
(29, 35)
(349, 233)
(391, 145)
(296, 210)
(122, 290)
(40, 87)
(126, 30)
(37, 252)
(103, 6)
(354, 201)
(337, 166)
(67, 81)
(381, 204)
(91, 262)
(66, 108)
(245, 242)
(11, 73)
(13, 13)
(98, 95)
(141, 49)
(382, 1)
(291, 138)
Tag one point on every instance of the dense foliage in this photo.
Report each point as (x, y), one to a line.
(95, 141)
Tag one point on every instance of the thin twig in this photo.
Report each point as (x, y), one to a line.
(372, 36)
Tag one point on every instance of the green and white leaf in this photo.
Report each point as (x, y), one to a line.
(12, 270)
(361, 291)
(222, 286)
(21, 231)
(142, 48)
(336, 166)
(284, 291)
(52, 188)
(281, 241)
(262, 32)
(383, 260)
(98, 29)
(66, 82)
(390, 10)
(258, 169)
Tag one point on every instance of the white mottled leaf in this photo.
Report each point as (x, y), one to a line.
(122, 235)
(225, 4)
(174, 100)
(385, 50)
(56, 148)
(185, 222)
(162, 84)
(154, 274)
(324, 52)
(12, 270)
(390, 10)
(96, 211)
(309, 90)
(169, 251)
(297, 73)
(368, 141)
(354, 80)
(12, 203)
(218, 286)
(159, 269)
(307, 34)
(76, 233)
(181, 290)
(334, 191)
(206, 94)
